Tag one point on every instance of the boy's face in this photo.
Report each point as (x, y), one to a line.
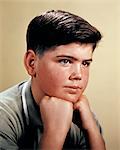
(64, 71)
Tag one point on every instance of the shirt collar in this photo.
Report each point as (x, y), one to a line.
(33, 108)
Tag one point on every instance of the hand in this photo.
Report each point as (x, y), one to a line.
(89, 123)
(85, 112)
(57, 117)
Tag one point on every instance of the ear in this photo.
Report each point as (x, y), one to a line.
(29, 62)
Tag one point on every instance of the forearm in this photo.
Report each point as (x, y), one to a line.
(57, 117)
(89, 124)
(52, 140)
(96, 140)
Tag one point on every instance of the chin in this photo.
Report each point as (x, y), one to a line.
(70, 98)
(73, 100)
(67, 97)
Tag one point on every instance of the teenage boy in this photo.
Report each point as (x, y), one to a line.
(49, 111)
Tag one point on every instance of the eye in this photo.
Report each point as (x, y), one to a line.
(86, 63)
(65, 61)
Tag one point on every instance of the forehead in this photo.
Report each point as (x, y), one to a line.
(76, 50)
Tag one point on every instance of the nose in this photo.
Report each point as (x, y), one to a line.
(76, 73)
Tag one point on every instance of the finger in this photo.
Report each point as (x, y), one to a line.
(46, 97)
(76, 105)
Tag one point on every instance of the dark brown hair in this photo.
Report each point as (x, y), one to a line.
(55, 28)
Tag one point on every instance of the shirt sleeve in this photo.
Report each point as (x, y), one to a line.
(8, 137)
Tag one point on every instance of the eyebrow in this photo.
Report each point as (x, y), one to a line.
(71, 57)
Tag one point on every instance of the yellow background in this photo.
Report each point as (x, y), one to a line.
(104, 85)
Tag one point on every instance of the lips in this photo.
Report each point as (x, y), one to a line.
(74, 89)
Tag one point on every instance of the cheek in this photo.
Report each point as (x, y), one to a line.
(51, 81)
(85, 79)
(57, 79)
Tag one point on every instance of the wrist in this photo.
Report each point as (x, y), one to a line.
(90, 124)
(52, 139)
(56, 130)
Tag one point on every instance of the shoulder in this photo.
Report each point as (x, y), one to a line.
(11, 114)
(10, 100)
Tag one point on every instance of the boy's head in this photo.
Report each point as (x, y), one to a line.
(55, 28)
(67, 42)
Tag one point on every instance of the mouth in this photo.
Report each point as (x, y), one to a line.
(73, 89)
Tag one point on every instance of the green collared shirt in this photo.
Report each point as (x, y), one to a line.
(19, 130)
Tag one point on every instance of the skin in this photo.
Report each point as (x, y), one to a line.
(57, 117)
(59, 78)
(62, 72)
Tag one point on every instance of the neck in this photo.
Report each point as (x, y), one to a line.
(37, 93)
